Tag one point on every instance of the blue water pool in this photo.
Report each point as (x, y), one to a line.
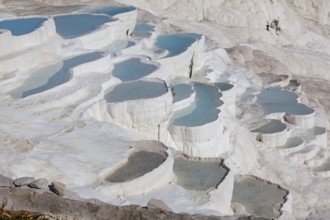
(198, 175)
(75, 25)
(181, 92)
(143, 30)
(111, 10)
(49, 78)
(22, 26)
(275, 100)
(118, 45)
(223, 86)
(176, 43)
(132, 69)
(203, 111)
(273, 126)
(136, 90)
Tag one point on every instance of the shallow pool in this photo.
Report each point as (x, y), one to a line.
(274, 126)
(143, 30)
(198, 175)
(53, 76)
(203, 111)
(138, 164)
(176, 44)
(22, 26)
(275, 100)
(136, 90)
(75, 25)
(292, 142)
(258, 197)
(132, 69)
(181, 92)
(223, 86)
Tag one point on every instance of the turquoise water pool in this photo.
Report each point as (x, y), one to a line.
(203, 111)
(111, 10)
(181, 92)
(75, 25)
(22, 26)
(274, 100)
(136, 90)
(53, 76)
(143, 30)
(132, 69)
(176, 44)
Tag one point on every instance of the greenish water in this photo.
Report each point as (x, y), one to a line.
(198, 175)
(138, 164)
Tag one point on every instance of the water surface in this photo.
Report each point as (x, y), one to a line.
(21, 26)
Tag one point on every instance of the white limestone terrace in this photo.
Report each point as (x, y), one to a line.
(148, 167)
(63, 143)
(23, 33)
(183, 95)
(196, 129)
(276, 100)
(143, 30)
(273, 133)
(228, 95)
(147, 104)
(54, 76)
(181, 52)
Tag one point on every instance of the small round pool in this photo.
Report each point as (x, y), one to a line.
(76, 25)
(132, 69)
(176, 44)
(22, 26)
(136, 90)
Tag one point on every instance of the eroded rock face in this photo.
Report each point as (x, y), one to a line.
(23, 181)
(32, 202)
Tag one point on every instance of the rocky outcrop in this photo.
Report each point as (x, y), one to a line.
(44, 204)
